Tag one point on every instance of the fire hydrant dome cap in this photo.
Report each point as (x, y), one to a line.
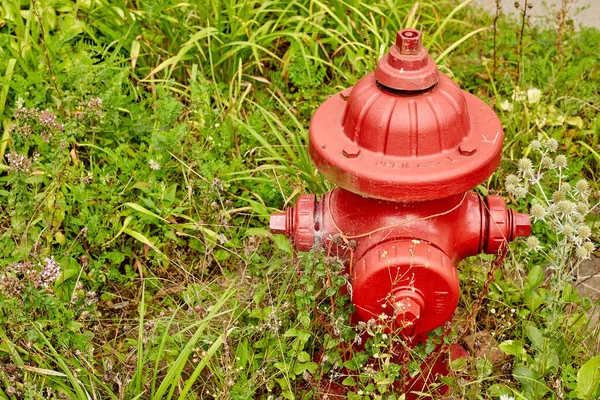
(405, 145)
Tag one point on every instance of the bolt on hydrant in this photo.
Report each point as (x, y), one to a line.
(404, 147)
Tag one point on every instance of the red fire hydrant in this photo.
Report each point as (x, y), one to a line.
(404, 146)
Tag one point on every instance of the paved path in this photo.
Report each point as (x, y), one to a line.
(544, 9)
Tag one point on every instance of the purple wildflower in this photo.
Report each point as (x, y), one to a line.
(18, 162)
(47, 118)
(50, 271)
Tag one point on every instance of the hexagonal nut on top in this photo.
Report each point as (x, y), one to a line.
(467, 149)
(409, 41)
(351, 151)
(407, 66)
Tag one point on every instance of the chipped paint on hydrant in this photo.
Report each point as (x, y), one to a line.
(404, 147)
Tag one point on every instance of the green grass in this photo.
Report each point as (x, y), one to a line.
(155, 201)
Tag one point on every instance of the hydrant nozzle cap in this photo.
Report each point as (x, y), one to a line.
(297, 223)
(407, 67)
(522, 225)
(277, 223)
(407, 310)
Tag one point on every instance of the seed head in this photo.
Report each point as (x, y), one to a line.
(525, 165)
(582, 252)
(584, 231)
(558, 196)
(547, 162)
(582, 208)
(536, 145)
(47, 118)
(154, 165)
(560, 161)
(520, 192)
(50, 271)
(565, 207)
(95, 102)
(551, 144)
(533, 243)
(565, 188)
(512, 180)
(582, 186)
(537, 211)
(18, 162)
(568, 230)
(11, 286)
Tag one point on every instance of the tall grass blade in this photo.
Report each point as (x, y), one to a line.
(460, 41)
(171, 381)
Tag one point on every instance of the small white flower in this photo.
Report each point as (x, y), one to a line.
(534, 95)
(519, 96)
(506, 397)
(507, 105)
(154, 165)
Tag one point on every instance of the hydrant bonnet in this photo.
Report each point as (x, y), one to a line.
(383, 139)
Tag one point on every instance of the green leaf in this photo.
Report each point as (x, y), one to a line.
(243, 353)
(349, 381)
(512, 348)
(282, 243)
(588, 379)
(484, 367)
(353, 364)
(459, 364)
(533, 386)
(535, 276)
(498, 389)
(533, 300)
(221, 255)
(536, 338)
(301, 367)
(574, 121)
(283, 367)
(259, 208)
(257, 232)
(303, 357)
